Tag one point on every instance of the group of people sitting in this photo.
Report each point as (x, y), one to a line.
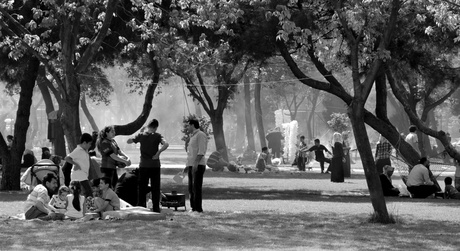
(420, 182)
(84, 195)
(264, 163)
(44, 203)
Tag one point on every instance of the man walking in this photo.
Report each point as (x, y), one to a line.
(196, 164)
(149, 165)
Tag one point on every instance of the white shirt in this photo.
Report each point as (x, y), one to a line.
(81, 157)
(197, 146)
(71, 211)
(419, 175)
(39, 194)
(412, 139)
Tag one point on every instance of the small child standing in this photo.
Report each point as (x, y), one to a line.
(59, 201)
(450, 192)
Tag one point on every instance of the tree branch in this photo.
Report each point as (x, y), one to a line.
(204, 90)
(92, 49)
(31, 50)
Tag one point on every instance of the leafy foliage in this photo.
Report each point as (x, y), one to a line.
(339, 122)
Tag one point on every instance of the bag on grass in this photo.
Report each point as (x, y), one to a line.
(179, 177)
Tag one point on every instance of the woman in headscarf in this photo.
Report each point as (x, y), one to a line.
(382, 154)
(337, 174)
(385, 180)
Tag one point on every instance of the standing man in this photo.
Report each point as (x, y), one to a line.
(274, 142)
(80, 160)
(196, 164)
(412, 138)
(36, 205)
(149, 165)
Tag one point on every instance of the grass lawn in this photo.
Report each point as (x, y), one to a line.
(288, 211)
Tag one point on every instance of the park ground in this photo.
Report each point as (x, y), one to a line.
(289, 210)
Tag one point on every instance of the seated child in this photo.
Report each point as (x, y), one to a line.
(263, 160)
(450, 192)
(59, 201)
(109, 200)
(94, 201)
(77, 206)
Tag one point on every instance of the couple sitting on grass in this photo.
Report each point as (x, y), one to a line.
(43, 204)
(218, 163)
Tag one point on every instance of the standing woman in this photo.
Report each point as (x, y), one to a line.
(346, 154)
(111, 154)
(337, 173)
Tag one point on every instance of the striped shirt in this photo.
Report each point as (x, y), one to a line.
(39, 194)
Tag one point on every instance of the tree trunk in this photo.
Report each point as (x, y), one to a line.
(240, 124)
(11, 170)
(88, 115)
(314, 104)
(248, 116)
(258, 110)
(355, 112)
(217, 122)
(70, 120)
(58, 140)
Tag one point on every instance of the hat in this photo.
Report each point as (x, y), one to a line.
(44, 149)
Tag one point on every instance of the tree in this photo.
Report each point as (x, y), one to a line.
(353, 25)
(11, 158)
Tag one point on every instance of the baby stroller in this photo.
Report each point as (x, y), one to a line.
(34, 174)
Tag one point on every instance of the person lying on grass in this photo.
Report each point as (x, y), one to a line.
(36, 205)
(110, 200)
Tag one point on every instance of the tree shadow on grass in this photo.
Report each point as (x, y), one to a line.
(234, 231)
(344, 196)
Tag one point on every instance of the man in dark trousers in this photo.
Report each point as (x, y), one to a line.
(319, 154)
(196, 164)
(274, 142)
(149, 166)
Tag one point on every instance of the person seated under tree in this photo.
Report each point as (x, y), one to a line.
(450, 192)
(385, 179)
(216, 162)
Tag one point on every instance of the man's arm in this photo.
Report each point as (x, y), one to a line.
(164, 146)
(426, 178)
(75, 164)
